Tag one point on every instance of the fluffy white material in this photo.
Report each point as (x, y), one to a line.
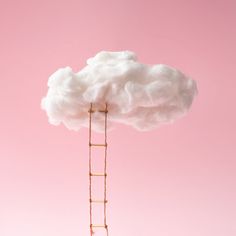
(143, 96)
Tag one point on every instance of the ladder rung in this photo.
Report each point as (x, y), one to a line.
(105, 111)
(92, 111)
(98, 174)
(98, 226)
(98, 201)
(98, 144)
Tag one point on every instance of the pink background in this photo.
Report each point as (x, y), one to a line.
(178, 180)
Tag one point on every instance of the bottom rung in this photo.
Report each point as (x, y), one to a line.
(98, 226)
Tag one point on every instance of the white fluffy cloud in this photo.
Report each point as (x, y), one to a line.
(143, 96)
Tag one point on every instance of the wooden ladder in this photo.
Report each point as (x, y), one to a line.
(97, 175)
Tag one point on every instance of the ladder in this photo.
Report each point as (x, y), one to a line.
(97, 175)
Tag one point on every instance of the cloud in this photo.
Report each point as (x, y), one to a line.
(143, 96)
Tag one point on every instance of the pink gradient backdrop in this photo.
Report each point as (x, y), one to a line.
(178, 180)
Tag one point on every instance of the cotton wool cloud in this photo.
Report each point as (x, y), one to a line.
(142, 96)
